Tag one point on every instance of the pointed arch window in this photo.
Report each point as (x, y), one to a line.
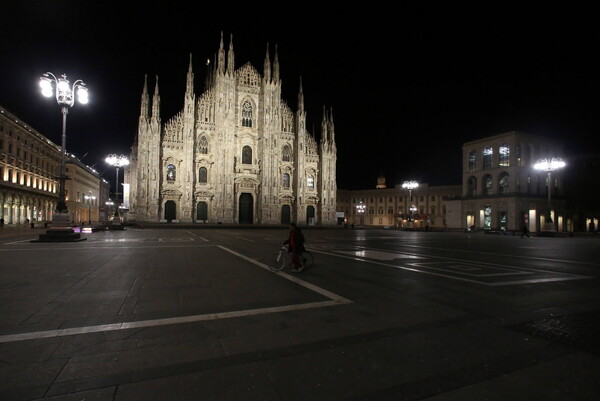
(285, 180)
(247, 114)
(203, 145)
(310, 182)
(246, 155)
(171, 172)
(203, 175)
(286, 154)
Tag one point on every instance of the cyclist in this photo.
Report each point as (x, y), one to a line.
(296, 246)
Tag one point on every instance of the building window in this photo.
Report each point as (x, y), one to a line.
(380, 210)
(286, 154)
(203, 145)
(246, 155)
(203, 175)
(432, 197)
(488, 184)
(433, 210)
(286, 180)
(247, 114)
(503, 183)
(171, 172)
(504, 155)
(518, 155)
(472, 186)
(371, 211)
(472, 161)
(310, 182)
(487, 157)
(390, 210)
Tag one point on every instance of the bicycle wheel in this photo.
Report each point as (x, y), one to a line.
(277, 261)
(307, 259)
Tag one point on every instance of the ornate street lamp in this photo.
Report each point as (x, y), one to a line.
(65, 97)
(117, 161)
(410, 185)
(360, 209)
(549, 165)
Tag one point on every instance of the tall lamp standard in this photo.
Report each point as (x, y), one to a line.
(410, 185)
(549, 165)
(117, 161)
(65, 98)
(90, 199)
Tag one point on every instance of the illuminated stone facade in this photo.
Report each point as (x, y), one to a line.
(236, 154)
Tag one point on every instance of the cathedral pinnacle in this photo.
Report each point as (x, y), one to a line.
(267, 66)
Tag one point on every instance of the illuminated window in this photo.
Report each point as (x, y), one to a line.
(487, 157)
(171, 172)
(504, 155)
(286, 180)
(310, 182)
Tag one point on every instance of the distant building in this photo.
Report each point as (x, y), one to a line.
(502, 190)
(235, 154)
(82, 192)
(423, 207)
(29, 168)
(29, 165)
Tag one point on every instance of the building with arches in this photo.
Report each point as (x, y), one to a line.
(29, 167)
(502, 190)
(236, 154)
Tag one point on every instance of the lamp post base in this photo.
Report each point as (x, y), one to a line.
(61, 230)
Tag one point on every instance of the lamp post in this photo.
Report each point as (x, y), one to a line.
(90, 199)
(117, 161)
(410, 185)
(65, 98)
(360, 209)
(549, 165)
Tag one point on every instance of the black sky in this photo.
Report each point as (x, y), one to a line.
(407, 87)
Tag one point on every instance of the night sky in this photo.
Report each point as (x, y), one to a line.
(407, 88)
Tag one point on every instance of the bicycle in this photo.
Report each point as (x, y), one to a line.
(282, 258)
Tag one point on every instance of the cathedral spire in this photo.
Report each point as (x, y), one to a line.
(324, 126)
(276, 66)
(300, 97)
(221, 60)
(230, 58)
(267, 68)
(156, 103)
(331, 126)
(145, 100)
(189, 88)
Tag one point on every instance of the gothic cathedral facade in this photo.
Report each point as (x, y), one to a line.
(236, 154)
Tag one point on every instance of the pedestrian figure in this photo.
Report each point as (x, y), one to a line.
(32, 224)
(2, 222)
(524, 231)
(353, 226)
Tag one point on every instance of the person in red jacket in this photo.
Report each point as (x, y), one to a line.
(296, 246)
